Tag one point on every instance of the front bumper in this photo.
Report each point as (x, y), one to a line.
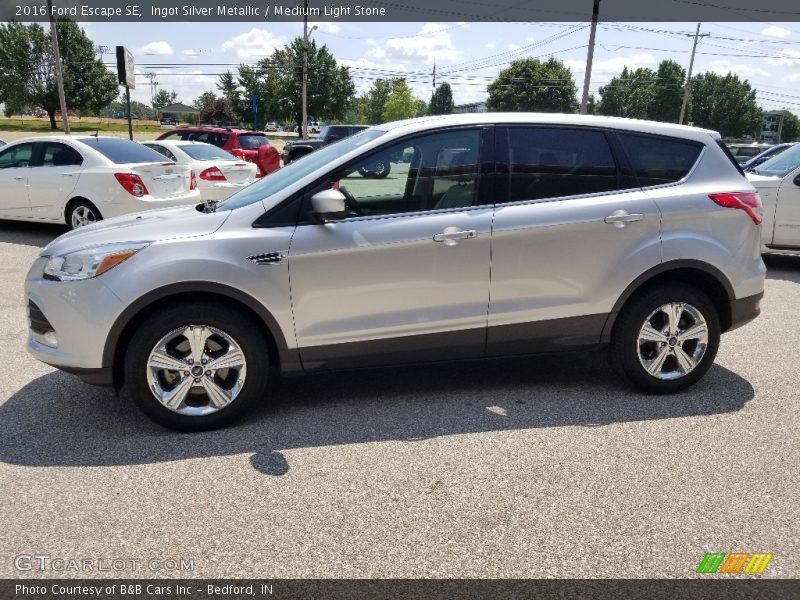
(80, 314)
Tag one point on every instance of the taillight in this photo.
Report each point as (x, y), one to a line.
(132, 183)
(212, 174)
(749, 202)
(192, 181)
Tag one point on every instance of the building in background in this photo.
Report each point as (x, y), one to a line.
(475, 107)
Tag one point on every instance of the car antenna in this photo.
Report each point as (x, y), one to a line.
(96, 133)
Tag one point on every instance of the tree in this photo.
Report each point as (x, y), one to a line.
(630, 95)
(371, 104)
(790, 130)
(204, 100)
(401, 103)
(442, 101)
(532, 85)
(164, 98)
(724, 103)
(27, 72)
(218, 111)
(330, 88)
(668, 96)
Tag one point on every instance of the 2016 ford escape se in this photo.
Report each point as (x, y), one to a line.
(505, 234)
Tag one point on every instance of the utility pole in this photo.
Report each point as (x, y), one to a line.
(687, 87)
(57, 60)
(588, 75)
(153, 84)
(101, 50)
(304, 122)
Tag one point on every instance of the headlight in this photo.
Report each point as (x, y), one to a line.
(89, 262)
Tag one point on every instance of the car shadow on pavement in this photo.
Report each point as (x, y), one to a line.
(30, 234)
(781, 266)
(56, 420)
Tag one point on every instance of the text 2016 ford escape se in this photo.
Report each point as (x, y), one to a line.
(504, 234)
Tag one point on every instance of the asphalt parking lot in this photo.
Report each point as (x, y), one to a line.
(539, 467)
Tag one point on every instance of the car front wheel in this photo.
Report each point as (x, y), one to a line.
(197, 366)
(666, 339)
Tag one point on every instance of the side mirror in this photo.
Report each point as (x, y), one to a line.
(329, 205)
(797, 180)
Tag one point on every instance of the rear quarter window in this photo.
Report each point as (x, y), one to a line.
(660, 160)
(252, 141)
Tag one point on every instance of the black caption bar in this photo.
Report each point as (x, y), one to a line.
(401, 10)
(413, 589)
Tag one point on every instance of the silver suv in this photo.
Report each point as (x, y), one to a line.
(495, 234)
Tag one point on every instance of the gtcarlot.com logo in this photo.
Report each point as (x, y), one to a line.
(60, 564)
(734, 562)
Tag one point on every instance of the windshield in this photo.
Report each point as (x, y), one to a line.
(782, 164)
(206, 152)
(295, 171)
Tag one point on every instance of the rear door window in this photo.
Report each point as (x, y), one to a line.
(551, 162)
(60, 155)
(252, 141)
(660, 160)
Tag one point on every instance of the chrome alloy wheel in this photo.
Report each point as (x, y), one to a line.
(672, 341)
(81, 216)
(196, 370)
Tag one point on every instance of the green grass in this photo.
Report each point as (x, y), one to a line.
(43, 125)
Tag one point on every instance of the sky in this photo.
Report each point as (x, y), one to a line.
(466, 55)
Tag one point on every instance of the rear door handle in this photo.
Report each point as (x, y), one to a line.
(620, 217)
(19, 178)
(452, 235)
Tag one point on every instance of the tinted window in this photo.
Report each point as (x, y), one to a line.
(60, 155)
(252, 141)
(121, 151)
(17, 156)
(658, 160)
(551, 162)
(206, 152)
(431, 172)
(162, 150)
(782, 164)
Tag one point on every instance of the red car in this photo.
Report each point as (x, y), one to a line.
(251, 146)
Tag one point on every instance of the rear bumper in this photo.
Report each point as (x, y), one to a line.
(744, 310)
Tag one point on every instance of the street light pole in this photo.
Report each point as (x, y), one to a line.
(57, 60)
(303, 123)
(588, 75)
(687, 87)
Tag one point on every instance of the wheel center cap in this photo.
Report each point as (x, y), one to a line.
(197, 371)
(672, 342)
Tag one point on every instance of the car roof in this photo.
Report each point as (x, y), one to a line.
(179, 143)
(67, 138)
(530, 118)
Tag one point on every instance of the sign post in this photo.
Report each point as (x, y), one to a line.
(126, 75)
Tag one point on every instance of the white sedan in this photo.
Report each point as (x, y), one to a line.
(219, 173)
(778, 183)
(81, 180)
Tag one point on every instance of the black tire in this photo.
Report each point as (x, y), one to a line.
(244, 331)
(87, 212)
(626, 348)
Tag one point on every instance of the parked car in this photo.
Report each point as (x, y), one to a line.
(766, 155)
(311, 127)
(328, 135)
(81, 180)
(744, 152)
(219, 173)
(251, 146)
(507, 233)
(271, 126)
(778, 183)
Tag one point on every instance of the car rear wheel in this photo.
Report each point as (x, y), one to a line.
(82, 213)
(666, 339)
(197, 366)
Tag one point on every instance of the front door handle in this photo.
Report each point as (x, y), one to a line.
(19, 178)
(620, 217)
(452, 235)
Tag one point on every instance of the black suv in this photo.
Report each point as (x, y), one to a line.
(328, 135)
